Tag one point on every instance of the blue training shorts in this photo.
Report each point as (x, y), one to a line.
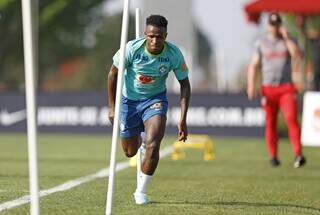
(134, 113)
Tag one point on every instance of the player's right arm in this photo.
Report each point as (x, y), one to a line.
(111, 92)
(113, 75)
(251, 75)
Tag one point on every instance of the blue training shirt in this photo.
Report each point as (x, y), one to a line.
(145, 74)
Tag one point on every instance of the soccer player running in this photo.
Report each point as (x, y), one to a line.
(148, 62)
(273, 54)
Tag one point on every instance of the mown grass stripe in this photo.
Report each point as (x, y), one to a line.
(73, 183)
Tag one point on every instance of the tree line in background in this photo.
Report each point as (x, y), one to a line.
(307, 31)
(76, 42)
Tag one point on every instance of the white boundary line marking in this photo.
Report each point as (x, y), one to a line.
(73, 183)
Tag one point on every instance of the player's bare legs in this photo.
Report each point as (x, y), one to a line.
(131, 145)
(155, 127)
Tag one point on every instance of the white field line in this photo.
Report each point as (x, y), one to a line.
(73, 183)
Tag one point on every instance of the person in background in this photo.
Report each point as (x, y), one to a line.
(273, 55)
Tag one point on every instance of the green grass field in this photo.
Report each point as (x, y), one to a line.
(238, 181)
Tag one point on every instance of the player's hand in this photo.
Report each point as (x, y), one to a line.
(251, 92)
(183, 130)
(111, 115)
(284, 33)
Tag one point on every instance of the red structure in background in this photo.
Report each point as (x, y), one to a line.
(302, 10)
(301, 7)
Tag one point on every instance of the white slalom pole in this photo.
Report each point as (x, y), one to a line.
(137, 23)
(115, 132)
(137, 36)
(30, 68)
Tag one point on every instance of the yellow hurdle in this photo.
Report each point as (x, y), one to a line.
(133, 161)
(194, 141)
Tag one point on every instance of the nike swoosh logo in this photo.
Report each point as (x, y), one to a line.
(8, 119)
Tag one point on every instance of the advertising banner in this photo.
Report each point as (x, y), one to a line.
(86, 112)
(310, 135)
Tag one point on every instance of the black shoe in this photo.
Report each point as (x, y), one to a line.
(299, 161)
(274, 162)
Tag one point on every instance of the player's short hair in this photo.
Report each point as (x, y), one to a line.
(157, 20)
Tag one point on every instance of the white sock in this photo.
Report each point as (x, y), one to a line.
(144, 182)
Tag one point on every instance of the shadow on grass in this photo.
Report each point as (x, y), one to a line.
(247, 204)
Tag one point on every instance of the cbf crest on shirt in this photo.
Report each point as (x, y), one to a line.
(145, 74)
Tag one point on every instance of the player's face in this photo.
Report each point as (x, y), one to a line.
(155, 37)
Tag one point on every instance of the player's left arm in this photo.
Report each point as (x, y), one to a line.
(185, 91)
